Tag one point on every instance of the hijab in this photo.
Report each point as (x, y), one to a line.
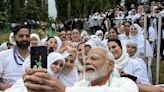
(70, 78)
(53, 57)
(34, 35)
(59, 42)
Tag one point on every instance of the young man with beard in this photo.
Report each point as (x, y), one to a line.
(100, 76)
(11, 60)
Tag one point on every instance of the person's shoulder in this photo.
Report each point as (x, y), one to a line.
(134, 61)
(124, 82)
(83, 83)
(6, 52)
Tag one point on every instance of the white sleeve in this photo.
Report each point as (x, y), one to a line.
(1, 70)
(95, 89)
(152, 34)
(123, 85)
(17, 87)
(1, 66)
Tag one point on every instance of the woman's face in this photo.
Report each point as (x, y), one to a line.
(131, 49)
(52, 43)
(57, 66)
(115, 49)
(100, 35)
(34, 42)
(113, 34)
(133, 30)
(69, 65)
(68, 35)
(80, 50)
(126, 27)
(141, 20)
(75, 35)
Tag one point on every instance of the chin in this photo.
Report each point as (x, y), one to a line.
(90, 76)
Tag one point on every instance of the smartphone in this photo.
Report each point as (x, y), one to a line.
(38, 57)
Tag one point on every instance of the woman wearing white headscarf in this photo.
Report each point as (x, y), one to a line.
(132, 49)
(120, 18)
(59, 42)
(99, 34)
(124, 64)
(35, 40)
(69, 75)
(137, 36)
(55, 63)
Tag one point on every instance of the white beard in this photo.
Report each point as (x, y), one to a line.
(96, 74)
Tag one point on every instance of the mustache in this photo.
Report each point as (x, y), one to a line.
(90, 67)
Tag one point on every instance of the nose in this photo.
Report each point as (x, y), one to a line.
(87, 62)
(24, 37)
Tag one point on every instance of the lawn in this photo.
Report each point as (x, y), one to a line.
(4, 37)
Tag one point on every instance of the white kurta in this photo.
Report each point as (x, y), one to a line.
(134, 68)
(10, 71)
(116, 85)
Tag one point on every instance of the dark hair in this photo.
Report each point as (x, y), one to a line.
(114, 30)
(18, 27)
(117, 41)
(77, 29)
(50, 38)
(80, 44)
(127, 22)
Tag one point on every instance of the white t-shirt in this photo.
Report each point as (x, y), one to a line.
(10, 70)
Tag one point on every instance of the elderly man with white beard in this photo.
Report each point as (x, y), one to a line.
(100, 76)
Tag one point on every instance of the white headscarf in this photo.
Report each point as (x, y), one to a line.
(121, 62)
(34, 35)
(106, 35)
(134, 43)
(11, 40)
(43, 41)
(84, 33)
(59, 42)
(70, 78)
(138, 38)
(53, 57)
(99, 32)
(93, 42)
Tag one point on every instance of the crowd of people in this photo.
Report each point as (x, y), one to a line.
(112, 58)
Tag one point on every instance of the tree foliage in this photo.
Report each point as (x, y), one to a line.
(21, 10)
(82, 8)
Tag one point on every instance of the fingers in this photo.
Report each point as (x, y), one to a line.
(42, 75)
(39, 88)
(39, 78)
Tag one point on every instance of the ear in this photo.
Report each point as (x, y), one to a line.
(110, 65)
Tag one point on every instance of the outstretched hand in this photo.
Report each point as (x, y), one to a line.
(37, 80)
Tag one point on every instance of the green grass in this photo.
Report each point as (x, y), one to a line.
(4, 37)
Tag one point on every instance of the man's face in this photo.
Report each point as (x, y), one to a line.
(95, 65)
(22, 38)
(63, 35)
